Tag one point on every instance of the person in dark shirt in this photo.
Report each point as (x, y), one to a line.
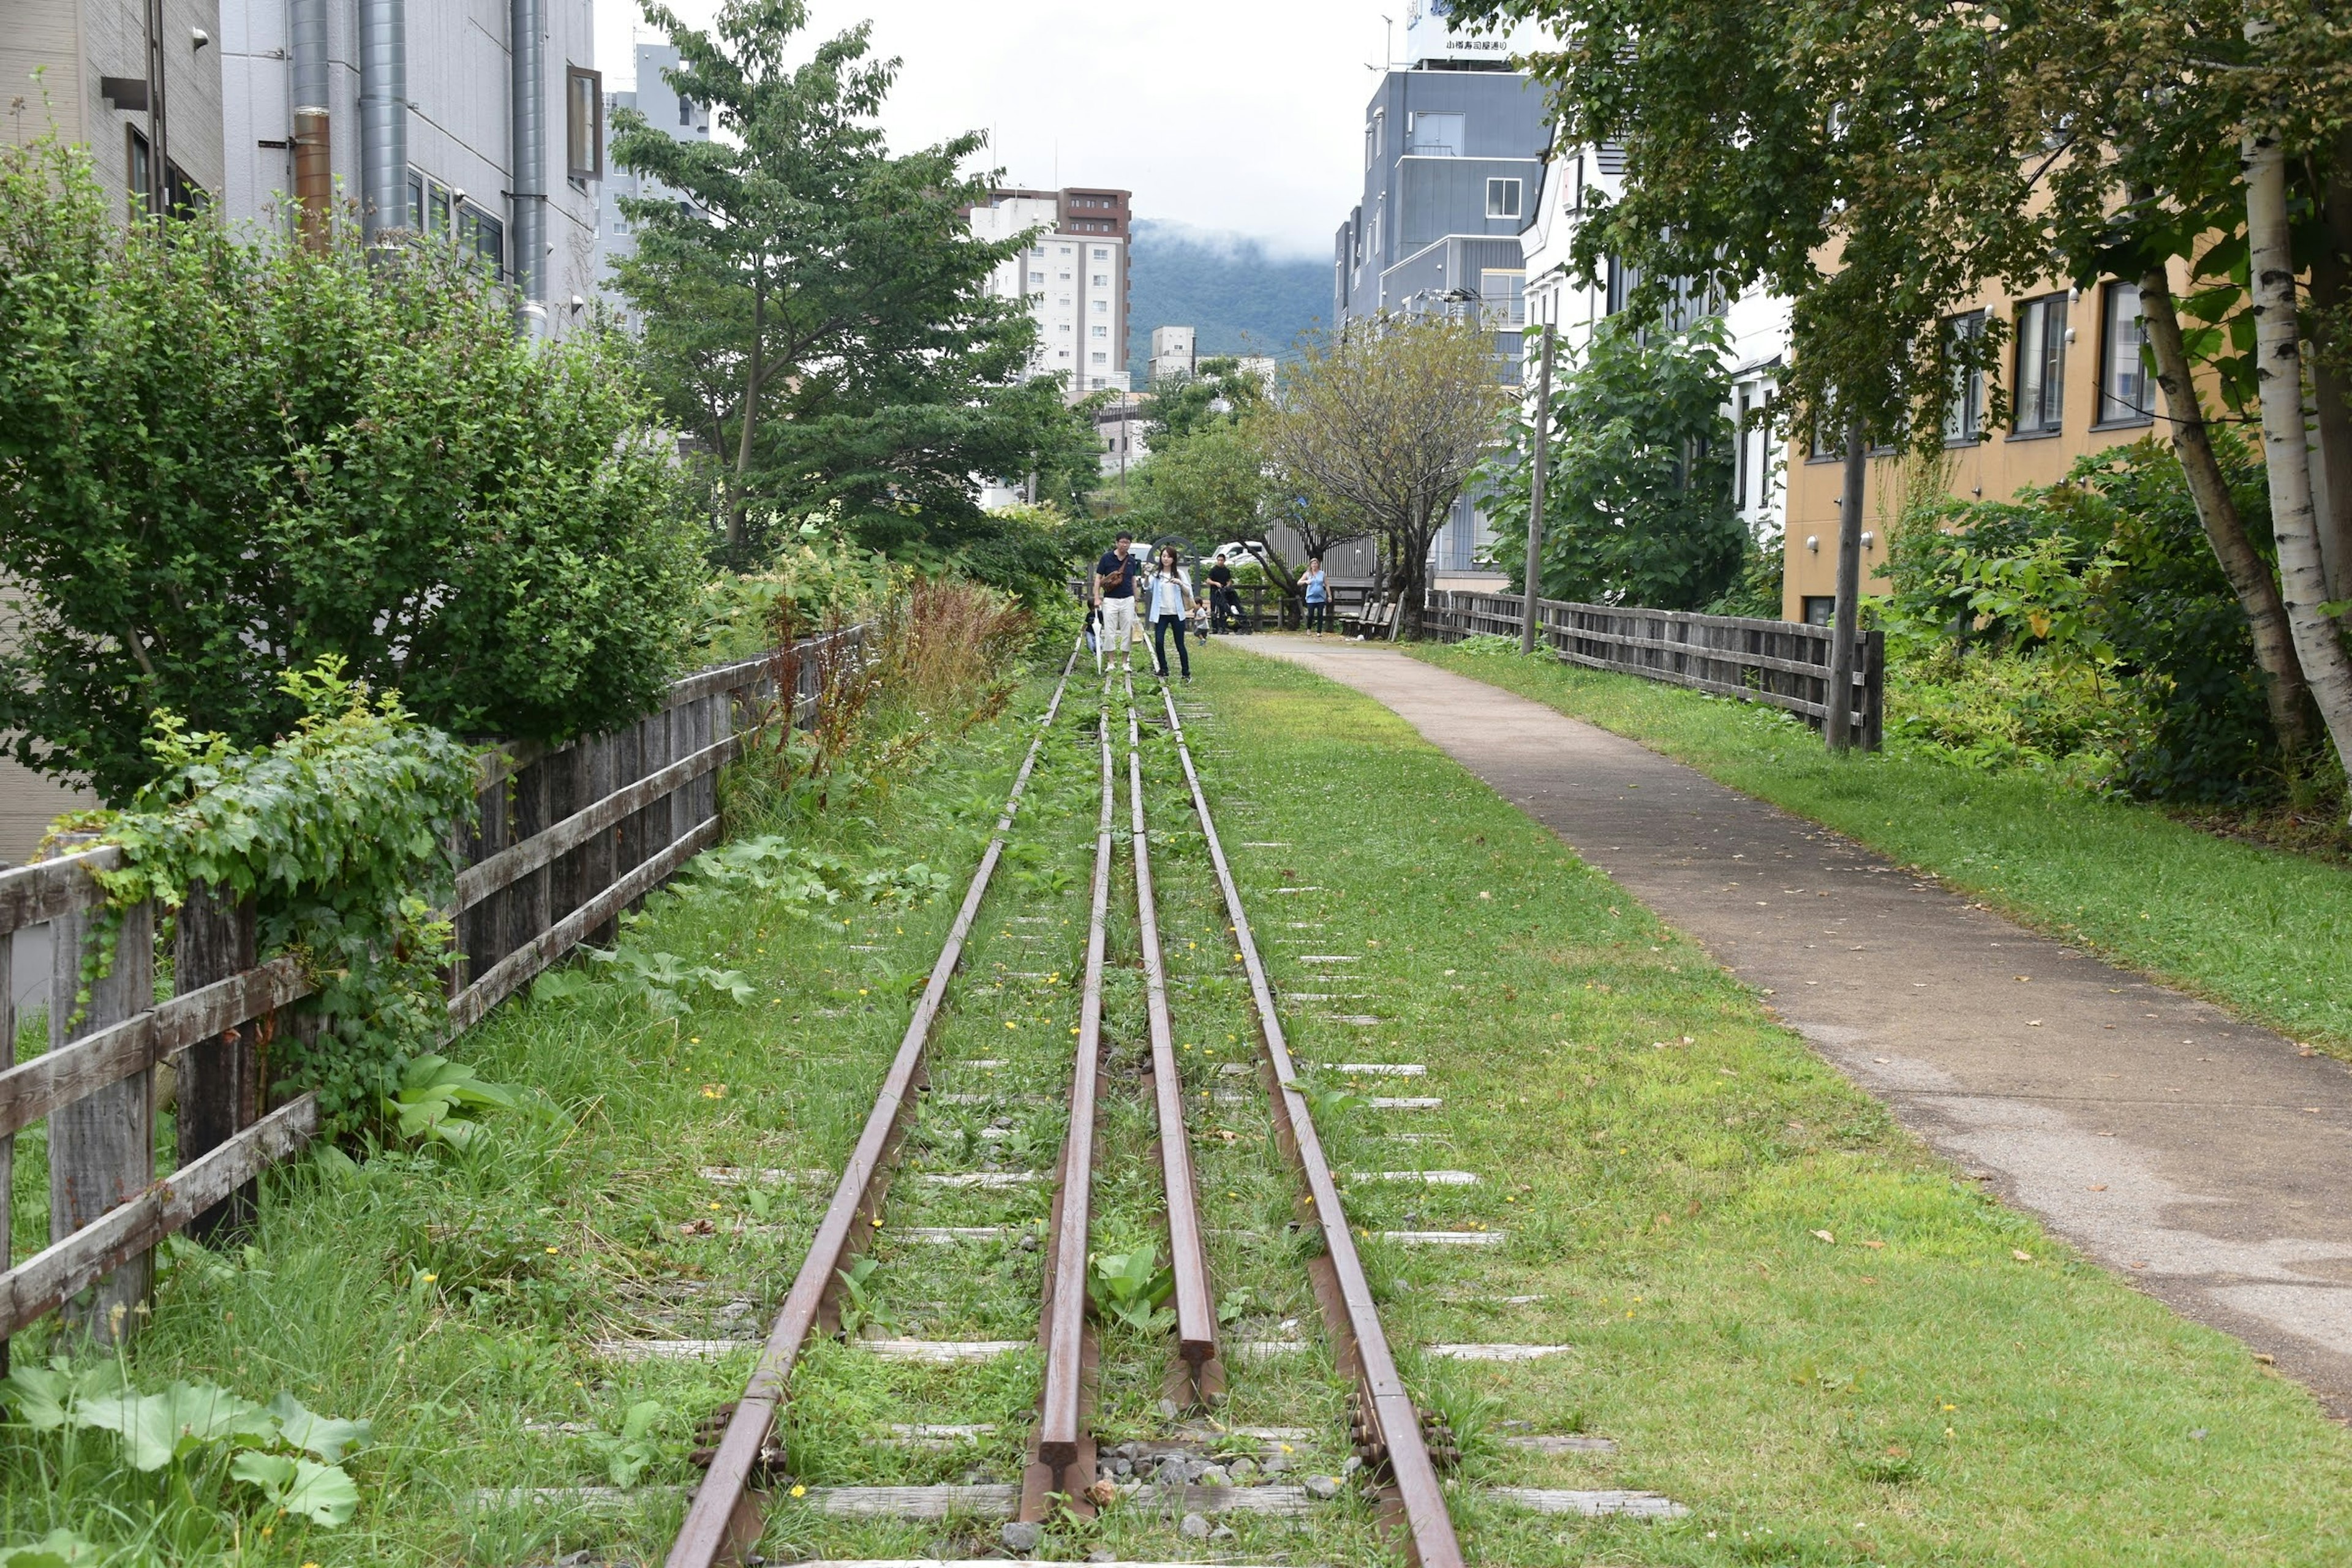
(1223, 600)
(1115, 579)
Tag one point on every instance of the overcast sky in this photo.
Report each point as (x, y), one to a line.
(1237, 115)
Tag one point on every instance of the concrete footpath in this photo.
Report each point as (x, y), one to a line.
(2207, 1161)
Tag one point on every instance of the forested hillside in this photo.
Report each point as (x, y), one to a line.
(1238, 298)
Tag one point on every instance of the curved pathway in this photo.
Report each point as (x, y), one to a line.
(2205, 1159)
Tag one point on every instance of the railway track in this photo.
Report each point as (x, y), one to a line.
(1062, 1476)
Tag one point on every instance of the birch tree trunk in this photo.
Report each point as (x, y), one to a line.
(2331, 389)
(2278, 359)
(2216, 511)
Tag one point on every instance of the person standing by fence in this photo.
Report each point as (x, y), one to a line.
(1115, 578)
(1318, 597)
(1171, 601)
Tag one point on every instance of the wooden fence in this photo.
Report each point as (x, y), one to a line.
(568, 838)
(1784, 663)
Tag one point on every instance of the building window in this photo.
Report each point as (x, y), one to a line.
(2123, 368)
(2041, 364)
(1100, 332)
(141, 168)
(1102, 307)
(1502, 198)
(485, 235)
(685, 111)
(1102, 279)
(1435, 135)
(1505, 296)
(1743, 405)
(1099, 358)
(1373, 137)
(1964, 408)
(584, 126)
(414, 218)
(1621, 281)
(1821, 609)
(1102, 253)
(1036, 278)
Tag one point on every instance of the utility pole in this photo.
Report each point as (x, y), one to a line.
(1837, 713)
(1536, 497)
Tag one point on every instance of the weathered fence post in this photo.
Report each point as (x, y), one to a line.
(219, 1092)
(102, 1146)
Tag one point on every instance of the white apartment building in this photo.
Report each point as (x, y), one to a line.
(666, 110)
(480, 121)
(1756, 323)
(1172, 352)
(1073, 276)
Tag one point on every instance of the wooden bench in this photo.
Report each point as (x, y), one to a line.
(1368, 620)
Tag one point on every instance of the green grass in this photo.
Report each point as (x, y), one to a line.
(2265, 933)
(1662, 1156)
(1658, 1154)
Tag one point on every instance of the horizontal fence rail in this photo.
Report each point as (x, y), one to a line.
(568, 838)
(1782, 663)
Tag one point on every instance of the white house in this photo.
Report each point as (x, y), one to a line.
(1757, 323)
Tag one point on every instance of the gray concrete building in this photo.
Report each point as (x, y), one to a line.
(667, 111)
(479, 122)
(120, 76)
(1453, 151)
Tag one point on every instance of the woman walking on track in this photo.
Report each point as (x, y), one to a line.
(1171, 601)
(1318, 597)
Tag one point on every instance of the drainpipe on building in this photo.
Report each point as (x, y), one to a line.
(529, 159)
(384, 116)
(314, 168)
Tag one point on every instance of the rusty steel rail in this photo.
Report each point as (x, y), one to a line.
(1062, 1448)
(725, 1520)
(1196, 1309)
(1388, 1427)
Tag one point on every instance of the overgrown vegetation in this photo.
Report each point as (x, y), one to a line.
(2085, 628)
(340, 835)
(533, 1186)
(1637, 507)
(220, 462)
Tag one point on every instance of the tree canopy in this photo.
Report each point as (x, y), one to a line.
(1637, 509)
(814, 307)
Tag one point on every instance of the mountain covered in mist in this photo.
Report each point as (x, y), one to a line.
(1237, 297)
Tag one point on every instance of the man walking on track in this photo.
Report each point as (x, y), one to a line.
(1114, 577)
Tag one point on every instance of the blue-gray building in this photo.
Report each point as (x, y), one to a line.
(1454, 160)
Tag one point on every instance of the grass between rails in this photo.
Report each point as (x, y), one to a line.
(2265, 933)
(1790, 1316)
(452, 1298)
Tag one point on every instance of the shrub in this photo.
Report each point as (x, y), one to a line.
(224, 461)
(2086, 617)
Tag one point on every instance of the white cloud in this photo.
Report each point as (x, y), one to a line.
(1235, 116)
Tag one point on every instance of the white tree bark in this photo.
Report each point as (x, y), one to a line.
(2294, 524)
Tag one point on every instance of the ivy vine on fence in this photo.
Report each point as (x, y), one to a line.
(344, 833)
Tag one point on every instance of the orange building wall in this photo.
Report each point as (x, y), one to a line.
(1995, 466)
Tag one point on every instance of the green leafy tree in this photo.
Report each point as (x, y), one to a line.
(815, 310)
(1879, 162)
(220, 462)
(1206, 486)
(1217, 391)
(1390, 423)
(1638, 507)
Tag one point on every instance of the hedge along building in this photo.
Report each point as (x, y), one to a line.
(2077, 382)
(478, 124)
